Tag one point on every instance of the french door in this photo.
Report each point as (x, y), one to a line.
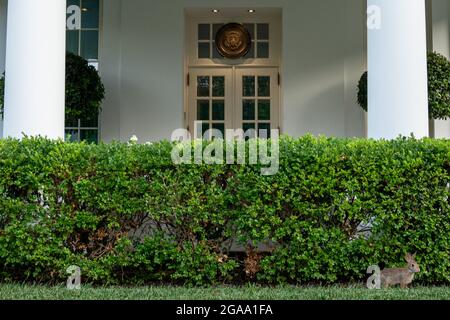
(233, 98)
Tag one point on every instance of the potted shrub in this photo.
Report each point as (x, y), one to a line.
(438, 87)
(84, 89)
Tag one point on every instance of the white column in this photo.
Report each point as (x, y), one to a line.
(397, 64)
(35, 68)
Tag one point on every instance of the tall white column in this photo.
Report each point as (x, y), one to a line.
(35, 68)
(397, 64)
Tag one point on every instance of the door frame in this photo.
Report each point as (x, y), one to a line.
(233, 93)
(195, 15)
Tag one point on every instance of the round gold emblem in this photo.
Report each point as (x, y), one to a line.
(233, 41)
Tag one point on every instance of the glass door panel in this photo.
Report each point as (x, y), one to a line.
(257, 100)
(210, 101)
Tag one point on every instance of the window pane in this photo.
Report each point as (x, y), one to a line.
(264, 130)
(90, 136)
(251, 28)
(204, 32)
(263, 31)
(90, 123)
(248, 112)
(72, 41)
(248, 83)
(89, 44)
(90, 14)
(72, 136)
(218, 86)
(216, 53)
(264, 86)
(205, 127)
(216, 28)
(203, 110)
(251, 53)
(264, 110)
(71, 122)
(203, 86)
(263, 50)
(218, 110)
(73, 2)
(204, 50)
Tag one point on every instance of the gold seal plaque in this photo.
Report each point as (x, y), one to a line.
(233, 41)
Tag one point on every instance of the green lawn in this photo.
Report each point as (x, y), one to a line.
(21, 292)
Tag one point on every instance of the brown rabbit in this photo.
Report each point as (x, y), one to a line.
(403, 277)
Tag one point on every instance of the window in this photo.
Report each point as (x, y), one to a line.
(82, 38)
(207, 34)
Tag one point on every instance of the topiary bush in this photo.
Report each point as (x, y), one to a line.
(438, 87)
(84, 89)
(126, 214)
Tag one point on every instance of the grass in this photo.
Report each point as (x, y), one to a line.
(26, 292)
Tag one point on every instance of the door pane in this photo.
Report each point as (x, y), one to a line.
(264, 110)
(248, 112)
(264, 86)
(218, 86)
(247, 127)
(205, 127)
(220, 127)
(203, 86)
(248, 83)
(264, 130)
(203, 110)
(218, 110)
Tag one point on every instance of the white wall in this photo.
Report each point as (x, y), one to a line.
(3, 8)
(110, 70)
(441, 44)
(142, 65)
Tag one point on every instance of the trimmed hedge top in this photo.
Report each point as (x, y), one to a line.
(126, 215)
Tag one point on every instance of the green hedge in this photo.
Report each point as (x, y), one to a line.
(126, 215)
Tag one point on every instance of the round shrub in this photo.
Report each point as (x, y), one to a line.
(438, 87)
(362, 91)
(84, 89)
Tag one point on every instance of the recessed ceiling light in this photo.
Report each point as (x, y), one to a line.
(251, 11)
(215, 10)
